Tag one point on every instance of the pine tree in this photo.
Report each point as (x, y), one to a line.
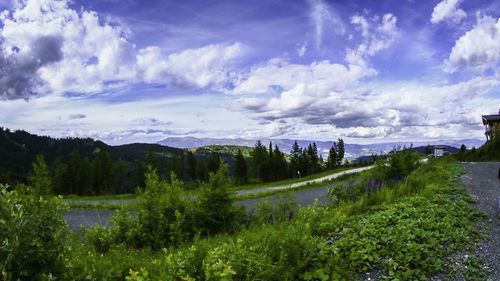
(200, 170)
(271, 164)
(331, 160)
(40, 178)
(139, 175)
(103, 172)
(240, 168)
(279, 164)
(213, 163)
(295, 159)
(85, 176)
(340, 151)
(259, 161)
(463, 148)
(121, 177)
(191, 165)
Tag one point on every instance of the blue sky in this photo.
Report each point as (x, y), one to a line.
(141, 71)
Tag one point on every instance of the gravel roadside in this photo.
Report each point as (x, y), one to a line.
(482, 183)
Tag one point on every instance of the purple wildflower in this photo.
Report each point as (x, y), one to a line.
(271, 219)
(290, 216)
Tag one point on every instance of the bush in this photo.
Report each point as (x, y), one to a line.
(33, 235)
(215, 212)
(163, 218)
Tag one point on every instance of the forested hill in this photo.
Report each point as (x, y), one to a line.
(102, 168)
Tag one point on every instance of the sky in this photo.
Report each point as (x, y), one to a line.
(142, 71)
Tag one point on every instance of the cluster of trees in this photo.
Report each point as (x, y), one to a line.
(270, 164)
(83, 176)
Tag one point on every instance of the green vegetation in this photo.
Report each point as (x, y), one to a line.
(33, 235)
(87, 167)
(404, 230)
(490, 151)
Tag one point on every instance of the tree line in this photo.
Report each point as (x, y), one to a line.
(270, 164)
(102, 174)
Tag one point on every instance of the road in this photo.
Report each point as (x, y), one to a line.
(88, 218)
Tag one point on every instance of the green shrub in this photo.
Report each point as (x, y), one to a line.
(33, 235)
(215, 212)
(163, 218)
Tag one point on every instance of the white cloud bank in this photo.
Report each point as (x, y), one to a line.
(447, 10)
(48, 47)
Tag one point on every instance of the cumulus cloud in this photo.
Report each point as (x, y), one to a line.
(18, 69)
(91, 50)
(477, 50)
(46, 46)
(192, 68)
(321, 93)
(411, 112)
(447, 10)
(323, 16)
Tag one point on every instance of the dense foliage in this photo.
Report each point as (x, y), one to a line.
(33, 235)
(490, 151)
(404, 230)
(388, 172)
(167, 217)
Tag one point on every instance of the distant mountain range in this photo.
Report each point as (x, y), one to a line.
(352, 150)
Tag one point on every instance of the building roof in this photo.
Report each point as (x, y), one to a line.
(490, 118)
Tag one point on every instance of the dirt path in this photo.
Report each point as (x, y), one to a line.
(482, 183)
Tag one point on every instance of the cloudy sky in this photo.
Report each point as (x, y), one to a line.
(140, 71)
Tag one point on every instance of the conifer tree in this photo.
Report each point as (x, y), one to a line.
(191, 165)
(40, 178)
(340, 151)
(259, 161)
(240, 168)
(331, 161)
(295, 159)
(200, 170)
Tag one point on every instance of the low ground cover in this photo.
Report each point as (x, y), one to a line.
(403, 230)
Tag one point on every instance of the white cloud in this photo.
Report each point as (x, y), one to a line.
(413, 112)
(193, 68)
(447, 10)
(92, 52)
(317, 78)
(477, 50)
(378, 33)
(323, 16)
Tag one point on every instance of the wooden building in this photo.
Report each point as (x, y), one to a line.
(492, 125)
